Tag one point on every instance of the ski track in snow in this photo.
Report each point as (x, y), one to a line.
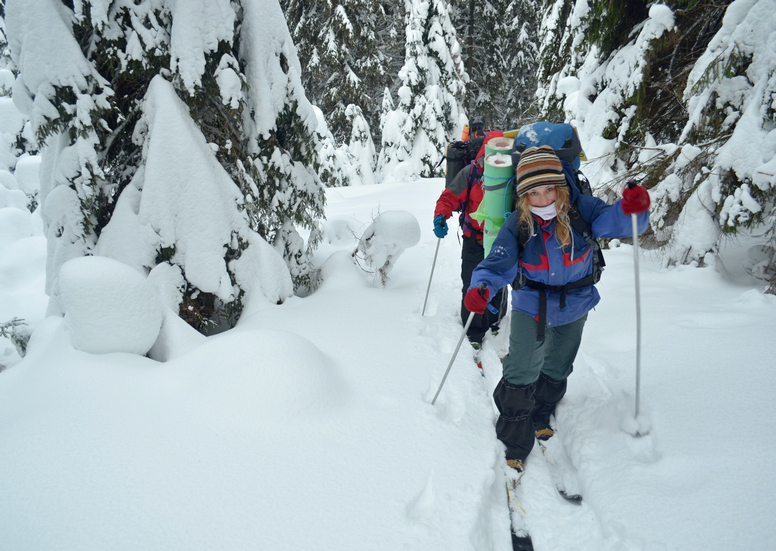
(625, 480)
(553, 522)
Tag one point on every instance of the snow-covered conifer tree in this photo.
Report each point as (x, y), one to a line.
(429, 110)
(342, 63)
(351, 163)
(725, 172)
(477, 29)
(171, 132)
(391, 41)
(337, 166)
(361, 145)
(499, 50)
(520, 59)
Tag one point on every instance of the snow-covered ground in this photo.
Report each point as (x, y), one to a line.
(309, 426)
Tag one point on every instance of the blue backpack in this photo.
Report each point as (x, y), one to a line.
(561, 137)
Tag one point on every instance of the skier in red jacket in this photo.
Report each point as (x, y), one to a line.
(465, 193)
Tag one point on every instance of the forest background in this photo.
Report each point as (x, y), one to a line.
(274, 102)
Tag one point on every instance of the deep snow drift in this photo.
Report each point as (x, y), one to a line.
(309, 426)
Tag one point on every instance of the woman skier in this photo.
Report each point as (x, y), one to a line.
(550, 266)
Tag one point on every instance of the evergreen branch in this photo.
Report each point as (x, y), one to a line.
(7, 328)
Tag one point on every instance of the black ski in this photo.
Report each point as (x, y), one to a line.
(563, 473)
(521, 540)
(521, 543)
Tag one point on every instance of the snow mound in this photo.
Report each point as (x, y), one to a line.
(339, 272)
(27, 174)
(22, 265)
(14, 224)
(270, 376)
(109, 307)
(176, 338)
(341, 229)
(12, 197)
(7, 180)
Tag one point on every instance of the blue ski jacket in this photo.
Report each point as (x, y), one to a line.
(542, 260)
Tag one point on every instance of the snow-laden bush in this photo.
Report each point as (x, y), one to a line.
(11, 125)
(109, 307)
(18, 170)
(383, 242)
(22, 253)
(11, 197)
(18, 332)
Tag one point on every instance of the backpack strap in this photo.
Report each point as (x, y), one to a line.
(474, 175)
(562, 289)
(582, 227)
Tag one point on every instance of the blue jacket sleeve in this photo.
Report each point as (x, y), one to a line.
(609, 220)
(499, 268)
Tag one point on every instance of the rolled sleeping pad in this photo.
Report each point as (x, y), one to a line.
(499, 191)
(499, 145)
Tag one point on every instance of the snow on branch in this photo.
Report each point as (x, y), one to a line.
(384, 241)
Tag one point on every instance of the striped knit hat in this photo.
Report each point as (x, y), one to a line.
(538, 166)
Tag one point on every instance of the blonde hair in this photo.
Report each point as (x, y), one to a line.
(562, 206)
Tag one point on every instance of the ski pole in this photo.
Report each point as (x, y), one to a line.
(455, 353)
(433, 264)
(634, 224)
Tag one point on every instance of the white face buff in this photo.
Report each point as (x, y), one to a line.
(545, 213)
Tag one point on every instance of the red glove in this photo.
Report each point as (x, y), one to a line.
(476, 302)
(635, 199)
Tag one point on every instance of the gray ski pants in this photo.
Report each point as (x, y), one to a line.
(534, 379)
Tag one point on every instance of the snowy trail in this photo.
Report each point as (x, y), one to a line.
(630, 485)
(603, 454)
(554, 523)
(633, 485)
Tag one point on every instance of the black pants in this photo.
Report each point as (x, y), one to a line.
(472, 253)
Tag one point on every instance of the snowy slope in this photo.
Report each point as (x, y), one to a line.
(309, 426)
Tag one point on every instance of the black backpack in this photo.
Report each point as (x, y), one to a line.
(459, 155)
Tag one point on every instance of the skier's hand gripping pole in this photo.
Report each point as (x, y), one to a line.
(476, 300)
